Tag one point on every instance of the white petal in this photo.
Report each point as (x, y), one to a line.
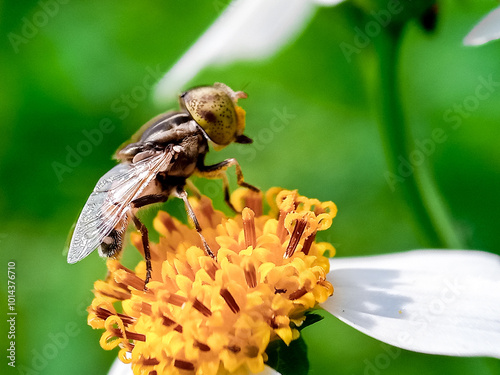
(269, 371)
(431, 301)
(120, 368)
(327, 2)
(247, 29)
(486, 30)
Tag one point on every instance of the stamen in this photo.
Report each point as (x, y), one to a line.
(115, 294)
(178, 328)
(122, 286)
(211, 268)
(230, 300)
(202, 308)
(167, 221)
(128, 335)
(130, 279)
(127, 320)
(281, 230)
(308, 242)
(153, 372)
(167, 321)
(300, 226)
(103, 314)
(146, 308)
(286, 206)
(201, 346)
(183, 365)
(252, 351)
(254, 202)
(177, 300)
(150, 362)
(297, 294)
(208, 211)
(249, 227)
(251, 275)
(233, 348)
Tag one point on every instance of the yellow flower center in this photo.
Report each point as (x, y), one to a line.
(213, 316)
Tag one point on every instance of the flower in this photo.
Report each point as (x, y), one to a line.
(219, 316)
(486, 30)
(214, 316)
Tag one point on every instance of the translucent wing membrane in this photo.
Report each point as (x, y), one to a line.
(108, 207)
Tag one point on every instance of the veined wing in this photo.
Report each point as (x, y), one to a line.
(109, 204)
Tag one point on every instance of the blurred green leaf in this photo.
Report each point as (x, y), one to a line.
(288, 360)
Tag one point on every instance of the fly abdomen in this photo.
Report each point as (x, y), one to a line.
(112, 244)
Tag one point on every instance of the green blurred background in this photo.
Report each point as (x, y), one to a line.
(62, 81)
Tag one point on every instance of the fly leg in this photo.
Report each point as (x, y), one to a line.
(149, 199)
(219, 171)
(145, 244)
(193, 189)
(181, 193)
(140, 202)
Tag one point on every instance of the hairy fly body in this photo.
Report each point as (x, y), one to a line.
(156, 164)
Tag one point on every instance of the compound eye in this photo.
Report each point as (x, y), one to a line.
(214, 110)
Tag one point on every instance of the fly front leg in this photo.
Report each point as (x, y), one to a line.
(181, 193)
(193, 189)
(219, 171)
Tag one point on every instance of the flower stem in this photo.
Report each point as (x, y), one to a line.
(430, 213)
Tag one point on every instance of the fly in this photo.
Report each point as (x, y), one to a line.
(164, 153)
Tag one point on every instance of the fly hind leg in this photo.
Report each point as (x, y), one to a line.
(145, 244)
(219, 171)
(140, 202)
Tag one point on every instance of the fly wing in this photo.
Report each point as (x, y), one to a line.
(109, 204)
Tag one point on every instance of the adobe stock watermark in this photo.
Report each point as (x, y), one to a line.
(471, 103)
(266, 135)
(421, 319)
(424, 148)
(92, 138)
(454, 115)
(123, 105)
(75, 154)
(450, 292)
(54, 345)
(363, 37)
(382, 361)
(31, 26)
